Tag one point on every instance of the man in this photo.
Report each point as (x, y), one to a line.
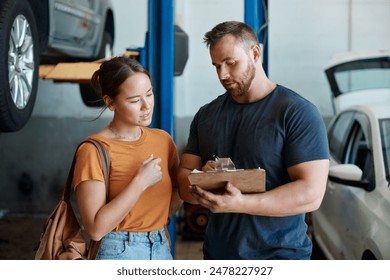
(256, 123)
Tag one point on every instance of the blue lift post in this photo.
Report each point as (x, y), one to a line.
(160, 62)
(256, 15)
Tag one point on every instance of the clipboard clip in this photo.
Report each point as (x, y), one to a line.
(224, 164)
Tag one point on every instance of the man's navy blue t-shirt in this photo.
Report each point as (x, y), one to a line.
(279, 131)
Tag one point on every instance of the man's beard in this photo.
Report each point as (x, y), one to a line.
(243, 86)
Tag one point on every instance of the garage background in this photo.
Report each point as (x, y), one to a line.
(302, 36)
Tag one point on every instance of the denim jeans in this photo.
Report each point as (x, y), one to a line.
(123, 245)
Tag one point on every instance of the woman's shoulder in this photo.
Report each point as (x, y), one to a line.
(85, 146)
(160, 136)
(157, 131)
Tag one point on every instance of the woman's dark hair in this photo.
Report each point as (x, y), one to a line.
(240, 30)
(112, 73)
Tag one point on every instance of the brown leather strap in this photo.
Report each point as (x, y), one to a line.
(104, 159)
(105, 162)
(94, 246)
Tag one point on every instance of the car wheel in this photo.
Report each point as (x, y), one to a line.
(197, 218)
(89, 96)
(368, 255)
(19, 62)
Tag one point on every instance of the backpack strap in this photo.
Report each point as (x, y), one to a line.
(94, 246)
(104, 159)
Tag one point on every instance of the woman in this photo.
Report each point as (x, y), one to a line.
(142, 192)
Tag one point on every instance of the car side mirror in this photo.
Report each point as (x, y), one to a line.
(349, 174)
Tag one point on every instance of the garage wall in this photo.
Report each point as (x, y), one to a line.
(199, 83)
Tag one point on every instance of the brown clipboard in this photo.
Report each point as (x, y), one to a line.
(246, 180)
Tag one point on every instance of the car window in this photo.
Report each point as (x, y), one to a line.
(362, 75)
(385, 137)
(338, 135)
(358, 149)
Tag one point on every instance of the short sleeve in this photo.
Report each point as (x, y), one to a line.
(88, 165)
(306, 136)
(192, 146)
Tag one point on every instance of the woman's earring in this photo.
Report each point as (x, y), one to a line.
(109, 103)
(111, 106)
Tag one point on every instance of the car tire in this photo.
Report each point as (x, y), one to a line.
(19, 64)
(197, 218)
(89, 96)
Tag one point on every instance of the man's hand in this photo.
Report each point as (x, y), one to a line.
(227, 202)
(209, 166)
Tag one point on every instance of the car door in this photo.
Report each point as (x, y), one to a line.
(344, 205)
(354, 223)
(327, 218)
(74, 25)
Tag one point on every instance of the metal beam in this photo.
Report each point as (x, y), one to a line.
(256, 15)
(160, 61)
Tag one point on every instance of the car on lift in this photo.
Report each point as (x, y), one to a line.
(353, 221)
(49, 31)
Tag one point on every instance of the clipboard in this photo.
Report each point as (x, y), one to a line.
(246, 180)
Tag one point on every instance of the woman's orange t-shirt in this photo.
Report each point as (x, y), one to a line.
(151, 210)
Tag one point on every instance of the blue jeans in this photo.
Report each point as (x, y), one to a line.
(123, 245)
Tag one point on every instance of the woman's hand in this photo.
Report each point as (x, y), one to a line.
(150, 171)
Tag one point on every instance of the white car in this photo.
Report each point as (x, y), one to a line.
(51, 30)
(353, 221)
